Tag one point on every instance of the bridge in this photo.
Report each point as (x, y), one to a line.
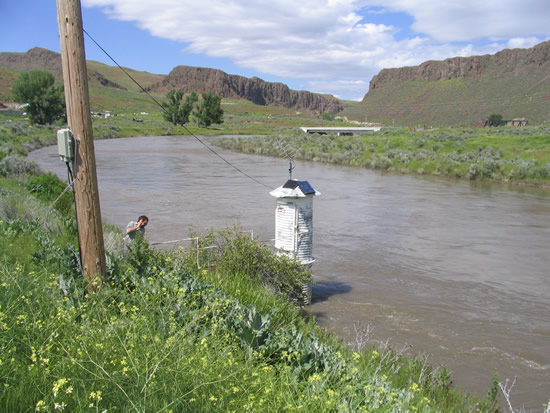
(341, 131)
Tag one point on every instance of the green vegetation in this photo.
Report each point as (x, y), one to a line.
(45, 99)
(18, 136)
(7, 79)
(520, 155)
(494, 119)
(176, 111)
(47, 187)
(503, 154)
(209, 110)
(165, 336)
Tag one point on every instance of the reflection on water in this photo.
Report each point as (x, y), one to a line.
(456, 269)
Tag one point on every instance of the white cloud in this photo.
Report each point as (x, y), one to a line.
(329, 42)
(522, 42)
(469, 20)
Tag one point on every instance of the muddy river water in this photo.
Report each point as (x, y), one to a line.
(455, 270)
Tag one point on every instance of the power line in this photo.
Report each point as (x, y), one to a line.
(124, 70)
(164, 110)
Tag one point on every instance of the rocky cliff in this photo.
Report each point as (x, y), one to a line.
(256, 90)
(463, 90)
(516, 62)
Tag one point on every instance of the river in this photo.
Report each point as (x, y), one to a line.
(451, 269)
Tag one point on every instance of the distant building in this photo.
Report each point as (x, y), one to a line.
(343, 131)
(105, 115)
(517, 122)
(513, 122)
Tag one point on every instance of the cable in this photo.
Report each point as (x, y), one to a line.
(121, 68)
(164, 110)
(225, 160)
(71, 184)
(50, 209)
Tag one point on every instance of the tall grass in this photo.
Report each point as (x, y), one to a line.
(165, 336)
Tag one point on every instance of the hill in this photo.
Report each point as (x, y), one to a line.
(462, 90)
(254, 89)
(110, 88)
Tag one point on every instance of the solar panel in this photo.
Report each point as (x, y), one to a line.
(306, 187)
(291, 184)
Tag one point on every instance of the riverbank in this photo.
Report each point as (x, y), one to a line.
(164, 336)
(19, 137)
(519, 156)
(508, 155)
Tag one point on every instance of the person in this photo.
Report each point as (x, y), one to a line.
(136, 227)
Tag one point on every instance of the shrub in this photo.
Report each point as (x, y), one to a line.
(106, 132)
(47, 187)
(282, 275)
(17, 165)
(474, 171)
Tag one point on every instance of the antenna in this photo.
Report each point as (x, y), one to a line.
(283, 146)
(291, 166)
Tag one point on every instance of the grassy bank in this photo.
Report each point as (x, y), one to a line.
(519, 155)
(165, 336)
(18, 136)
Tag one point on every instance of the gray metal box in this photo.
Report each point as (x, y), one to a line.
(65, 145)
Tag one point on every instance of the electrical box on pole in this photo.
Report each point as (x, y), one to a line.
(65, 145)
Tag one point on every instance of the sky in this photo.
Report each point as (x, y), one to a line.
(324, 46)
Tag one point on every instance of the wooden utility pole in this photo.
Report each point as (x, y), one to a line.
(75, 77)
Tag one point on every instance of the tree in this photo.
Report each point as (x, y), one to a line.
(494, 120)
(177, 110)
(45, 99)
(209, 111)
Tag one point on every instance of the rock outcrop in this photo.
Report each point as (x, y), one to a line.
(200, 80)
(189, 79)
(509, 61)
(35, 58)
(464, 90)
(103, 80)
